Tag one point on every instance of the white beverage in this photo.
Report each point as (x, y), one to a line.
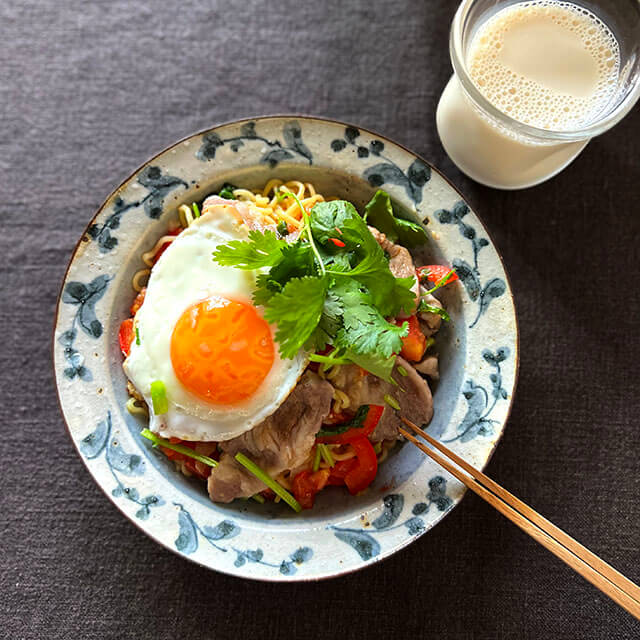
(551, 65)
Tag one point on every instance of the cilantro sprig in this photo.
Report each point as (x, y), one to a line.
(321, 293)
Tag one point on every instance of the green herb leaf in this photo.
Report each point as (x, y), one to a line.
(355, 423)
(365, 331)
(375, 363)
(296, 310)
(389, 294)
(282, 228)
(227, 191)
(379, 213)
(261, 250)
(430, 308)
(327, 216)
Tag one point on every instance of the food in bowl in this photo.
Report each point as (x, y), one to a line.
(279, 339)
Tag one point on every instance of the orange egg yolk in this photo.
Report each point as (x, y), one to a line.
(221, 350)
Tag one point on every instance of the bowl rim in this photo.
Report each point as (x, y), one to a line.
(302, 116)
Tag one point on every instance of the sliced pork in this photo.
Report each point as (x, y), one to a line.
(412, 394)
(282, 441)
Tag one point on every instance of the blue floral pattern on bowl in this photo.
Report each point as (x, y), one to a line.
(472, 399)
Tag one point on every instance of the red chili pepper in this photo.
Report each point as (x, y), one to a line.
(126, 336)
(414, 344)
(338, 230)
(337, 242)
(435, 273)
(340, 470)
(362, 427)
(307, 484)
(362, 475)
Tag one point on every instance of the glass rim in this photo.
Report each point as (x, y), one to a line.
(601, 125)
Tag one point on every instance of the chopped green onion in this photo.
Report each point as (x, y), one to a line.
(377, 447)
(316, 459)
(196, 209)
(392, 402)
(326, 454)
(430, 308)
(189, 452)
(430, 342)
(137, 337)
(264, 477)
(444, 280)
(180, 448)
(159, 397)
(402, 371)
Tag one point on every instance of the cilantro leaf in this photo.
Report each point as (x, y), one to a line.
(261, 250)
(379, 213)
(326, 216)
(296, 310)
(364, 330)
(389, 294)
(375, 364)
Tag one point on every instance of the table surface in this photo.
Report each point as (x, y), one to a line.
(88, 91)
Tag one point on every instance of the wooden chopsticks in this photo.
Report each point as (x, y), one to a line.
(611, 582)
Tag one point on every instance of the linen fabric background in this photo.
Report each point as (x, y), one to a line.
(90, 90)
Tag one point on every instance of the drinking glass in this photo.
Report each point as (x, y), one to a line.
(495, 149)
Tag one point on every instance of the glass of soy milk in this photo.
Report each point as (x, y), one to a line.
(533, 82)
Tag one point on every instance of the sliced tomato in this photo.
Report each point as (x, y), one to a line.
(435, 273)
(126, 336)
(138, 300)
(363, 474)
(307, 484)
(414, 344)
(363, 424)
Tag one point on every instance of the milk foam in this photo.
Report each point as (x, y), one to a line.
(549, 64)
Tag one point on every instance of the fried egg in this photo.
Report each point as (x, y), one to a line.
(200, 334)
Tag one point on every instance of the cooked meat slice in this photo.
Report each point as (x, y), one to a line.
(400, 260)
(429, 322)
(282, 441)
(416, 403)
(429, 367)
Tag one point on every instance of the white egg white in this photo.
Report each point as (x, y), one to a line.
(185, 274)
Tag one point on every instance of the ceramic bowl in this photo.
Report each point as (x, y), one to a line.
(478, 353)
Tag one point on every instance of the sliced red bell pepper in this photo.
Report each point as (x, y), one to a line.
(165, 246)
(138, 300)
(363, 474)
(307, 484)
(362, 424)
(126, 336)
(414, 344)
(435, 273)
(340, 470)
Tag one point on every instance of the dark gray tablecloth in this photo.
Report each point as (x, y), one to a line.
(89, 90)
